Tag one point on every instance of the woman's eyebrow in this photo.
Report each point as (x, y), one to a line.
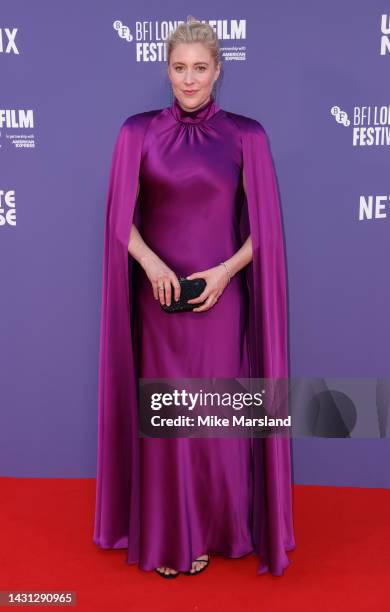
(195, 64)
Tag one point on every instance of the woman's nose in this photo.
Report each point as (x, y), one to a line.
(188, 78)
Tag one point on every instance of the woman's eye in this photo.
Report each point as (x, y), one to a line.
(200, 68)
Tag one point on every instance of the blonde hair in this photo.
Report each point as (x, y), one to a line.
(194, 30)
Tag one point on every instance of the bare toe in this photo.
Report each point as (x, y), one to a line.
(196, 566)
(168, 570)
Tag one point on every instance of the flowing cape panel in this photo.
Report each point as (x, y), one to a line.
(272, 518)
(117, 511)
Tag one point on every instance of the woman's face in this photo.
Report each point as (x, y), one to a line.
(192, 72)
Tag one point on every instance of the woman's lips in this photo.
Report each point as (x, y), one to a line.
(189, 92)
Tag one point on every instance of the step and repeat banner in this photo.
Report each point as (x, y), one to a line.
(316, 75)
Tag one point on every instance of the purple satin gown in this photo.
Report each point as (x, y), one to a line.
(196, 493)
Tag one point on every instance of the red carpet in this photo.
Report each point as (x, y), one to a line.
(342, 559)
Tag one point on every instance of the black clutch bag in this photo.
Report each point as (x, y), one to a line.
(189, 289)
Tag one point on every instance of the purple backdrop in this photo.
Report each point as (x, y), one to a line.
(292, 65)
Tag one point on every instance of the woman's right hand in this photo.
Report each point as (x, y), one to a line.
(161, 277)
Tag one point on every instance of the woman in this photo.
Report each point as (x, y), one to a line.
(192, 193)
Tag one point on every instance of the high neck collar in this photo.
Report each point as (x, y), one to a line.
(196, 116)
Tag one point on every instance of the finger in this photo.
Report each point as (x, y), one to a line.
(194, 275)
(168, 291)
(202, 274)
(160, 289)
(206, 306)
(155, 290)
(205, 294)
(176, 286)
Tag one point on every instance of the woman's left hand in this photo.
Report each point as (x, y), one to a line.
(216, 280)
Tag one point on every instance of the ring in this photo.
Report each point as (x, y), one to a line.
(160, 287)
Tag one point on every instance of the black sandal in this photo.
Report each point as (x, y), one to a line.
(164, 575)
(196, 572)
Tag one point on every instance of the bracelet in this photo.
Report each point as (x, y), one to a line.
(227, 270)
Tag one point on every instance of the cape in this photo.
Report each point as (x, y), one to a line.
(117, 512)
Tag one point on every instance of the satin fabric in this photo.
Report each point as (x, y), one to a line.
(195, 493)
(215, 146)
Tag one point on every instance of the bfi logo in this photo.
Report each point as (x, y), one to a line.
(373, 207)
